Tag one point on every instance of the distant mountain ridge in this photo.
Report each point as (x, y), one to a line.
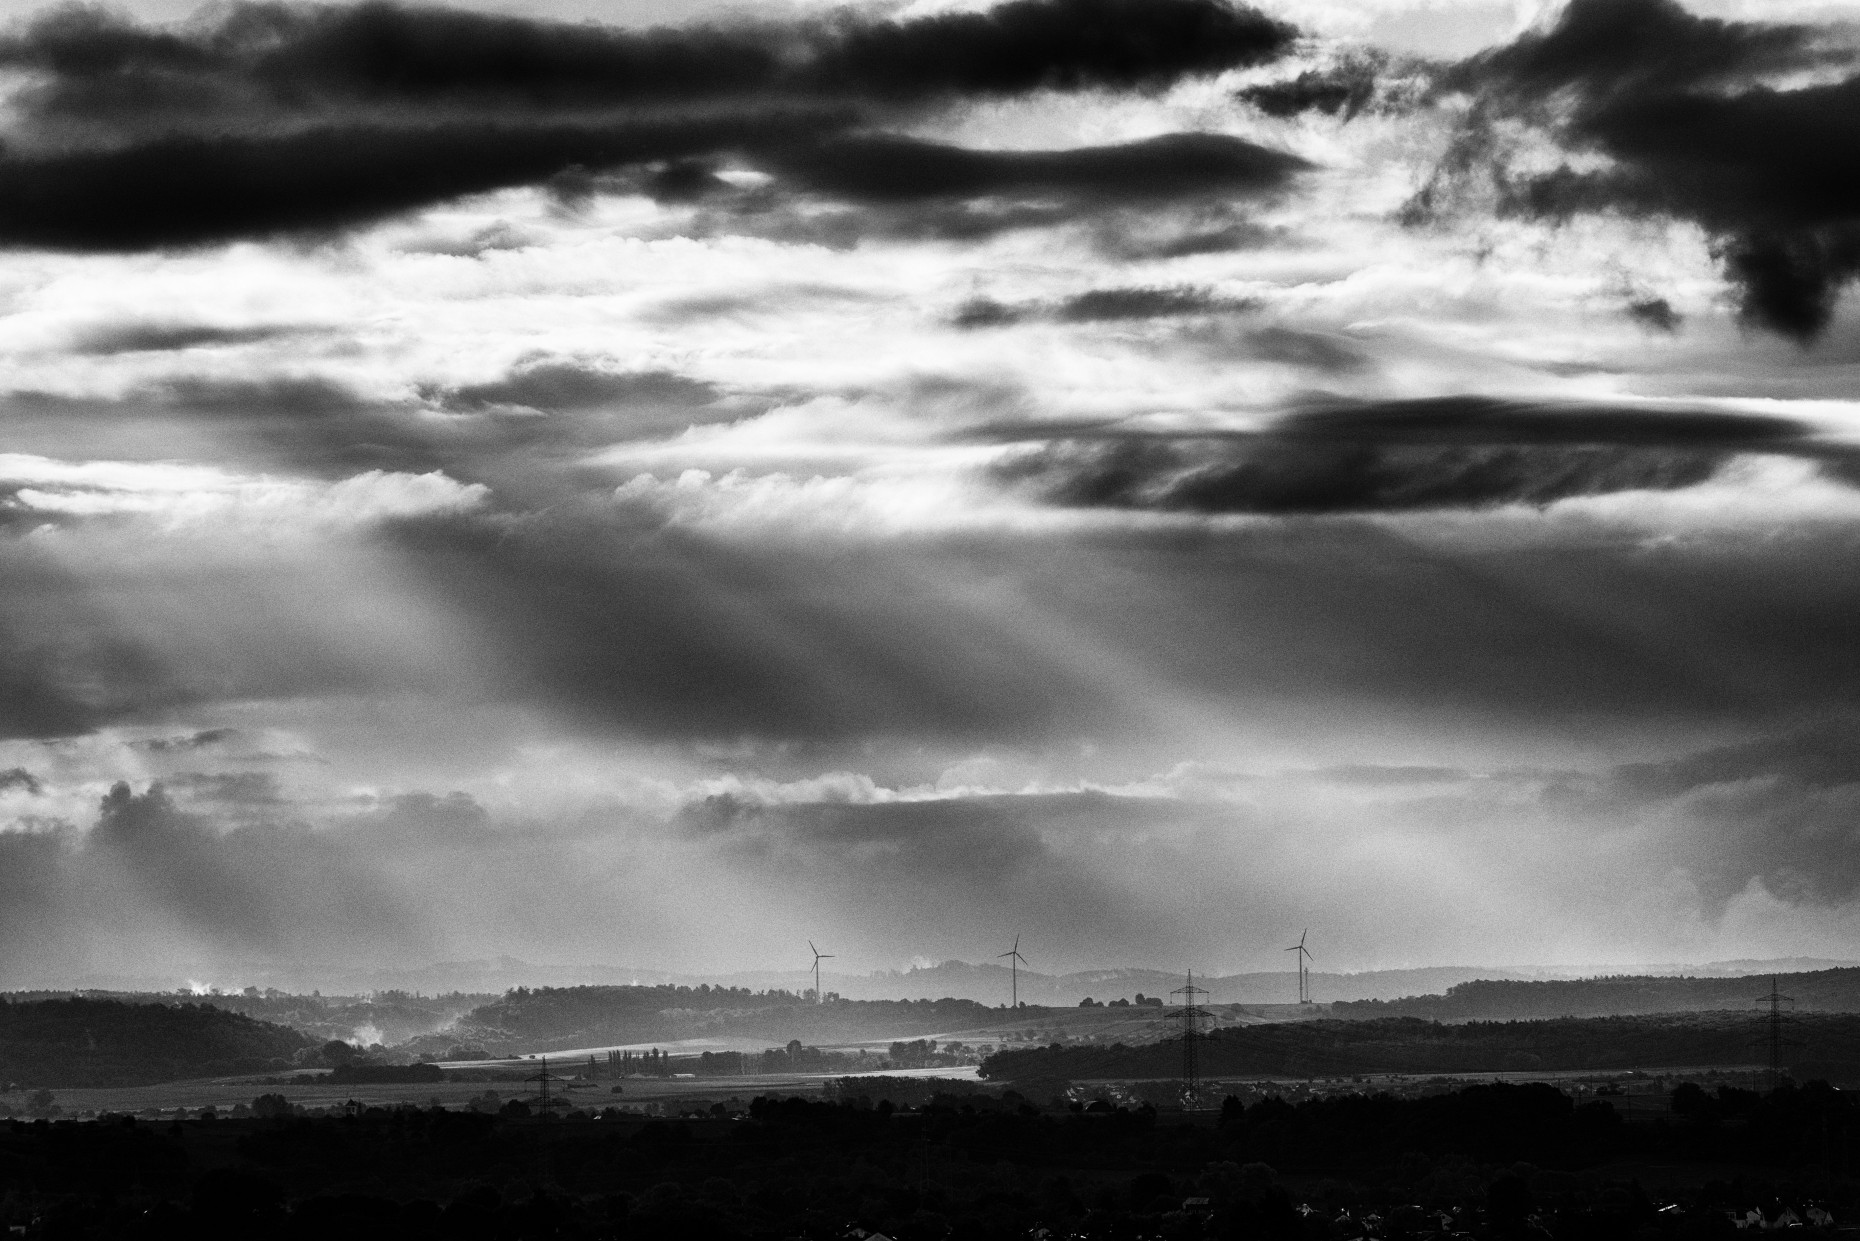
(987, 983)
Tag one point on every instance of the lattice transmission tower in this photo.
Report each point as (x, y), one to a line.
(1191, 1035)
(1773, 1039)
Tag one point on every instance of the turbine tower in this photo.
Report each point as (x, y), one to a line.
(1304, 976)
(819, 956)
(1015, 961)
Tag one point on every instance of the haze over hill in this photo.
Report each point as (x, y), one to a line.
(953, 979)
(985, 983)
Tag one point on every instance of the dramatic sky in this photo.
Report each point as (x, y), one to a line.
(653, 482)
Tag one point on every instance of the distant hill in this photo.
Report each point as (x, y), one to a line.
(547, 1018)
(1827, 991)
(984, 983)
(85, 1042)
(1407, 1045)
(990, 984)
(386, 1017)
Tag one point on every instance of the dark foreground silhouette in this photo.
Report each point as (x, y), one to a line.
(1410, 1045)
(1497, 1161)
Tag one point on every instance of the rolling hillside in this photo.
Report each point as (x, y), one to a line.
(84, 1042)
(547, 1018)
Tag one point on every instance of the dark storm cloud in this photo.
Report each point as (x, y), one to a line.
(1656, 313)
(1779, 809)
(1276, 476)
(167, 337)
(636, 626)
(1604, 48)
(1825, 756)
(235, 788)
(1386, 776)
(627, 624)
(563, 385)
(1490, 420)
(1125, 230)
(279, 397)
(882, 168)
(1694, 130)
(298, 57)
(266, 119)
(1103, 306)
(72, 677)
(186, 190)
(20, 778)
(200, 740)
(1344, 90)
(951, 859)
(1099, 305)
(1463, 452)
(164, 637)
(324, 428)
(38, 920)
(148, 866)
(183, 866)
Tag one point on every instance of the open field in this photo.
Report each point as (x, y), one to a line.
(225, 1093)
(1641, 1092)
(1028, 1026)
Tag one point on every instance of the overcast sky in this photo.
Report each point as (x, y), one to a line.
(652, 483)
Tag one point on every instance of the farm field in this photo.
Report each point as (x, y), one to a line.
(225, 1093)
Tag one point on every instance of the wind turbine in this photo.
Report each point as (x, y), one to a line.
(1304, 987)
(1015, 961)
(819, 956)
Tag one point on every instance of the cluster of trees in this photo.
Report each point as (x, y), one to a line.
(1492, 1161)
(92, 1042)
(1143, 1001)
(1331, 1048)
(923, 1053)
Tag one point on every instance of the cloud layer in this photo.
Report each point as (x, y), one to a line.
(1072, 467)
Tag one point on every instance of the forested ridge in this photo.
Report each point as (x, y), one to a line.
(1329, 1048)
(85, 1042)
(1499, 999)
(544, 1018)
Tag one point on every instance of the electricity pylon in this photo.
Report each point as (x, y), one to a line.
(1772, 1040)
(1191, 1031)
(542, 1081)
